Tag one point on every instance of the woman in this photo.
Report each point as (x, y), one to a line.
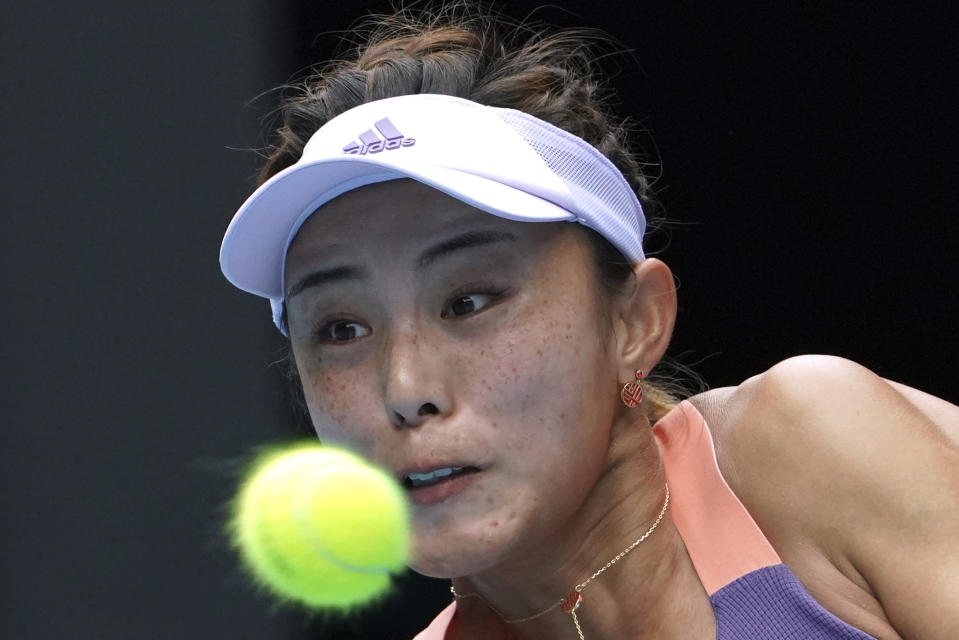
(450, 234)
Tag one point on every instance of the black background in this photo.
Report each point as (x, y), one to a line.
(809, 149)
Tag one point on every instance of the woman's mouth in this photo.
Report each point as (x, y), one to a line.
(437, 484)
(416, 480)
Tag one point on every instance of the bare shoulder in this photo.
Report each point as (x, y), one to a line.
(821, 435)
(828, 399)
(835, 462)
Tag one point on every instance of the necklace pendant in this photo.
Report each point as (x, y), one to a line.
(571, 602)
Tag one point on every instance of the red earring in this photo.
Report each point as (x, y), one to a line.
(632, 393)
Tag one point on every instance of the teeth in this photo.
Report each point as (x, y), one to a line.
(417, 479)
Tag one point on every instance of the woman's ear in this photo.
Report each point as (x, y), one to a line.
(644, 317)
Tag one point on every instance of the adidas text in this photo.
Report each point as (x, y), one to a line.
(361, 150)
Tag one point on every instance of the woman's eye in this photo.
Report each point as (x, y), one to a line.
(342, 331)
(465, 305)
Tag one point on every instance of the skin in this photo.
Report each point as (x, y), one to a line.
(505, 356)
(863, 501)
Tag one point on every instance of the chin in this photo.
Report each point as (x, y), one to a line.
(448, 555)
(437, 564)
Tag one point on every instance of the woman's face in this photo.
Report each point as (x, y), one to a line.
(432, 336)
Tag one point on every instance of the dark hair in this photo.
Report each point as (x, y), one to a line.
(465, 51)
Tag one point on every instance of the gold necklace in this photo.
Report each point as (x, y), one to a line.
(571, 601)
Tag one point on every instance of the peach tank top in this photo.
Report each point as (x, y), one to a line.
(754, 595)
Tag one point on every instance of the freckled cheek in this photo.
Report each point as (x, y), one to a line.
(342, 405)
(535, 377)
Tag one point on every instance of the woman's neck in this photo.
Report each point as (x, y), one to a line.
(651, 592)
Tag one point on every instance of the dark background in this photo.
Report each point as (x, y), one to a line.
(809, 148)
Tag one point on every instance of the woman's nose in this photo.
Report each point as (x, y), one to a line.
(422, 413)
(416, 383)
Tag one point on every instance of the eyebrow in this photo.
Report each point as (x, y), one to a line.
(344, 273)
(463, 241)
(325, 276)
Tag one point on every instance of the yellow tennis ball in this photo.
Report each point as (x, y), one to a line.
(321, 527)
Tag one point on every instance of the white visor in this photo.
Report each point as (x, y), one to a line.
(501, 161)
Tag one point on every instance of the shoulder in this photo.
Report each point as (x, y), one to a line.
(811, 407)
(819, 384)
(833, 458)
(830, 437)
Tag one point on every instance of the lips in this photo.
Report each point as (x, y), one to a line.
(424, 478)
(438, 485)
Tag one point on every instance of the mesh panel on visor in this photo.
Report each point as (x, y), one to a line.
(595, 184)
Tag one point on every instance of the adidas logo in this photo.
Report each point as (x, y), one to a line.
(372, 143)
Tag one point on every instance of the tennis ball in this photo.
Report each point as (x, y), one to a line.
(320, 527)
